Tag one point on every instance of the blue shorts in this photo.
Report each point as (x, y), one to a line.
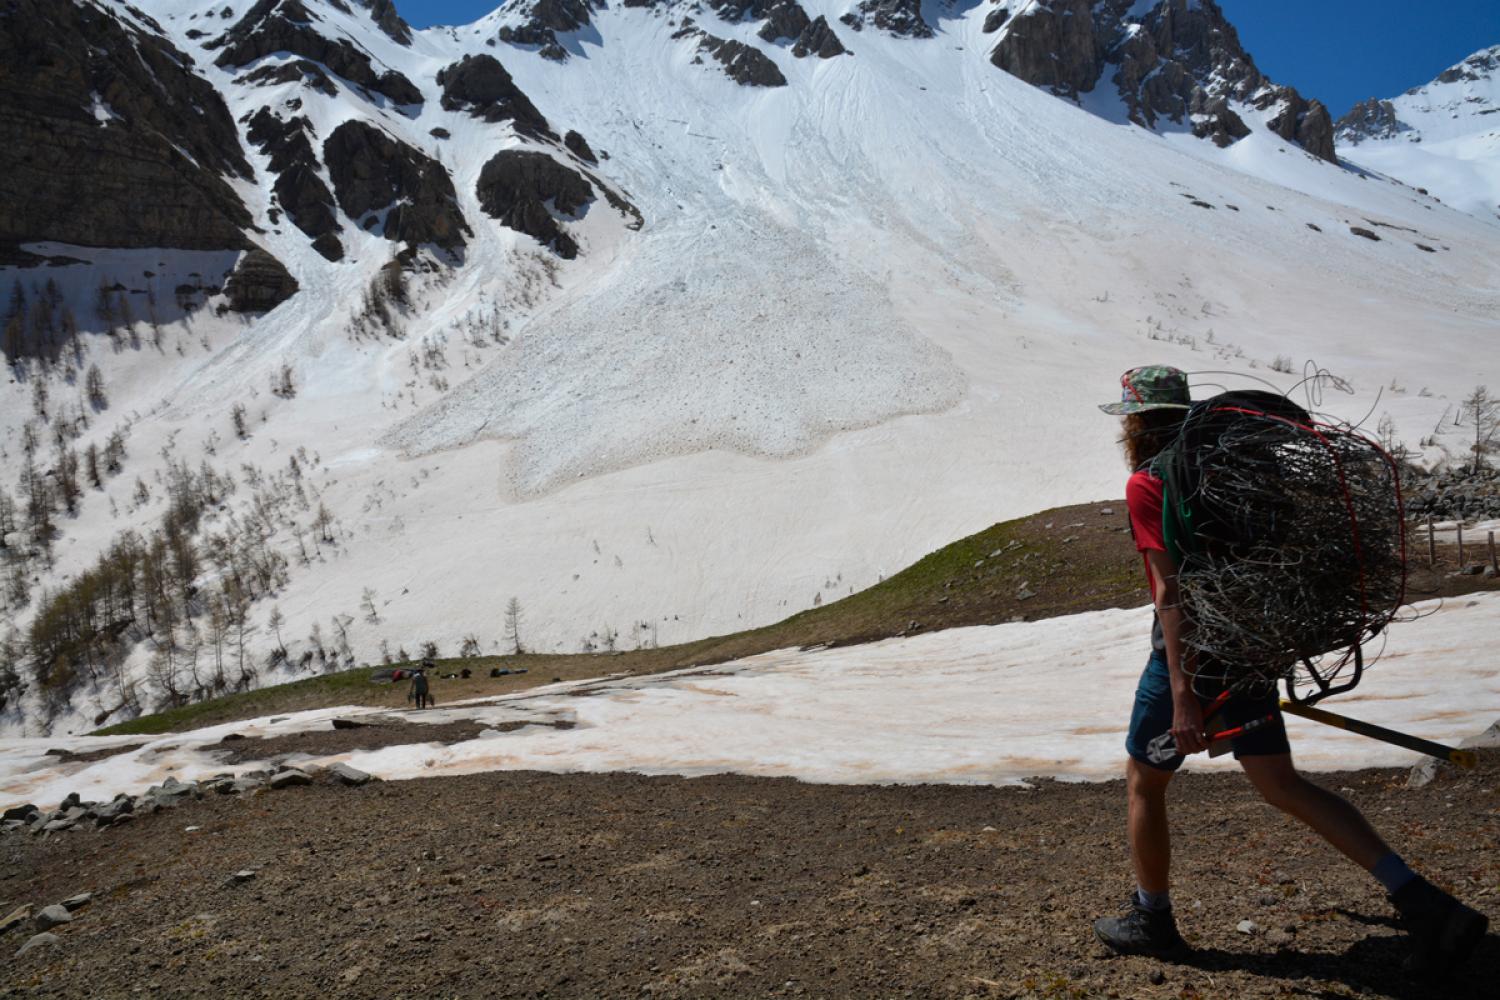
(1152, 716)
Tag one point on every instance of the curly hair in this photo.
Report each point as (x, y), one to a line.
(1144, 435)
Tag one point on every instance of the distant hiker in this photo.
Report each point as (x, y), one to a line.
(1444, 931)
(419, 688)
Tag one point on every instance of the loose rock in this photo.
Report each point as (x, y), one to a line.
(51, 917)
(78, 902)
(38, 941)
(349, 775)
(15, 918)
(291, 776)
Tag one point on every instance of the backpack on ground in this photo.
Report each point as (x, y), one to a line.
(1289, 537)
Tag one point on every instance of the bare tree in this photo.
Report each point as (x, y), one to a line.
(93, 385)
(367, 605)
(1484, 410)
(513, 625)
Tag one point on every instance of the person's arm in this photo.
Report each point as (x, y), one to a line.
(1187, 711)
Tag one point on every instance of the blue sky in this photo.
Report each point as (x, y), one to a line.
(1339, 51)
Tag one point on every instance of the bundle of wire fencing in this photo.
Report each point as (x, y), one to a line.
(1299, 553)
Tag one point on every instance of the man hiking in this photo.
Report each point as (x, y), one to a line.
(419, 688)
(1154, 400)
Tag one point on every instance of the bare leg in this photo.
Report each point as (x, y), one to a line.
(1150, 838)
(1329, 815)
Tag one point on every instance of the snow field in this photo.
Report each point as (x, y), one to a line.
(985, 705)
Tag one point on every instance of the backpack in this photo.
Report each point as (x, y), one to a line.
(1289, 537)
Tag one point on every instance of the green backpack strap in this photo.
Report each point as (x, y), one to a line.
(1176, 516)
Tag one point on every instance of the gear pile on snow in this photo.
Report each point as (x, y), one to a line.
(1290, 538)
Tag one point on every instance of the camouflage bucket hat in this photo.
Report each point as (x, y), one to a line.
(1151, 387)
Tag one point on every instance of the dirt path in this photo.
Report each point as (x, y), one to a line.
(526, 885)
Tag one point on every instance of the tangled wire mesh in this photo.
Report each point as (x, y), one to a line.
(1301, 553)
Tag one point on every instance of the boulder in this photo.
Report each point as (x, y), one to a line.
(78, 902)
(1487, 740)
(1425, 772)
(288, 778)
(52, 916)
(21, 812)
(349, 724)
(258, 283)
(37, 941)
(348, 775)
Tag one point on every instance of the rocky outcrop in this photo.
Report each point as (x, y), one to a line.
(783, 19)
(383, 13)
(111, 138)
(384, 185)
(273, 26)
(1482, 65)
(516, 188)
(1178, 60)
(579, 147)
(744, 64)
(299, 190)
(1372, 119)
(902, 18)
(1307, 123)
(543, 20)
(258, 283)
(481, 86)
(309, 74)
(818, 39)
(1054, 45)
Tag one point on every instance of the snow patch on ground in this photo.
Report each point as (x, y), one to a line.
(986, 705)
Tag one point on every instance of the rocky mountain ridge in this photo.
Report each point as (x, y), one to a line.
(1177, 61)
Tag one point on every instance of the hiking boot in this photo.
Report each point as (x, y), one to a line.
(1443, 931)
(1141, 931)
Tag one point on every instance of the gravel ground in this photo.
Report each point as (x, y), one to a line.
(535, 885)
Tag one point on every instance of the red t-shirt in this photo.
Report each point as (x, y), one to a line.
(1144, 495)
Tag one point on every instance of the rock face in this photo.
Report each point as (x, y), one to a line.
(309, 74)
(1179, 60)
(299, 190)
(1053, 45)
(1372, 119)
(818, 39)
(481, 86)
(579, 147)
(543, 20)
(373, 172)
(784, 19)
(744, 64)
(111, 138)
(383, 13)
(516, 186)
(258, 283)
(273, 26)
(902, 18)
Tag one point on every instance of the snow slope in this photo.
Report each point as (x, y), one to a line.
(1445, 136)
(988, 705)
(869, 312)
